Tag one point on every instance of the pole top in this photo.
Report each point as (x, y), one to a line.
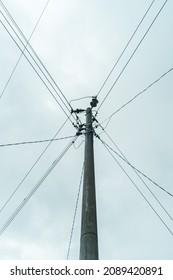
(88, 110)
(94, 102)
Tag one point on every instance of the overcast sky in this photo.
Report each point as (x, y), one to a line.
(79, 42)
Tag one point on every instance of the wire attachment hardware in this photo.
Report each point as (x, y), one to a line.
(94, 102)
(81, 127)
(77, 111)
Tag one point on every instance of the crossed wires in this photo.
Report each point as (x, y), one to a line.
(138, 173)
(108, 149)
(128, 61)
(33, 166)
(46, 75)
(136, 96)
(42, 179)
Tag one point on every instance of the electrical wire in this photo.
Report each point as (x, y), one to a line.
(80, 144)
(124, 159)
(36, 55)
(32, 33)
(137, 173)
(34, 142)
(75, 212)
(36, 71)
(50, 91)
(138, 189)
(80, 98)
(137, 95)
(126, 46)
(47, 78)
(33, 166)
(31, 193)
(163, 189)
(132, 55)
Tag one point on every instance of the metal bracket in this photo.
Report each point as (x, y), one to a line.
(77, 111)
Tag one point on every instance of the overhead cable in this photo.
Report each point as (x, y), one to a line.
(36, 55)
(132, 55)
(32, 192)
(33, 166)
(137, 95)
(41, 78)
(27, 42)
(80, 98)
(40, 69)
(137, 173)
(35, 142)
(124, 159)
(75, 212)
(167, 227)
(50, 91)
(126, 46)
(147, 177)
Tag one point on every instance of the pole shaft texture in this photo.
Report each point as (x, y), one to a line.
(89, 239)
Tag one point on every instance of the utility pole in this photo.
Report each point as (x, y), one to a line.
(89, 239)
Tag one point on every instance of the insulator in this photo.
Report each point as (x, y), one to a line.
(94, 102)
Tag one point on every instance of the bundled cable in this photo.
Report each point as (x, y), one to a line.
(24, 46)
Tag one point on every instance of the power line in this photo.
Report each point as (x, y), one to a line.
(132, 55)
(34, 68)
(43, 73)
(33, 65)
(27, 42)
(75, 212)
(137, 95)
(80, 98)
(143, 174)
(126, 46)
(33, 166)
(124, 159)
(137, 173)
(35, 142)
(138, 189)
(36, 55)
(31, 193)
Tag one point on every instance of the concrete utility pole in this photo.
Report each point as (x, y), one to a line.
(89, 239)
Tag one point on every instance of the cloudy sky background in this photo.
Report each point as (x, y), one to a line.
(79, 42)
